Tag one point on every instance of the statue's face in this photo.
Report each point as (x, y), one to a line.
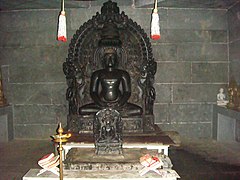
(110, 60)
(221, 90)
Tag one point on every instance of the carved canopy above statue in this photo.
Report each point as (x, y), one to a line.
(134, 54)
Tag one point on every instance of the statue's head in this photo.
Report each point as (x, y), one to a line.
(110, 43)
(221, 90)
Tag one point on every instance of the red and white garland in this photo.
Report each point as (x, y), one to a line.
(62, 27)
(155, 26)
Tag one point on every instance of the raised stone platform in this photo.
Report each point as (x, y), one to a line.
(81, 162)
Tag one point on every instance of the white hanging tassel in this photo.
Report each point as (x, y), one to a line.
(62, 27)
(155, 27)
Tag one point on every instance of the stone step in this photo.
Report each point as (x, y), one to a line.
(101, 175)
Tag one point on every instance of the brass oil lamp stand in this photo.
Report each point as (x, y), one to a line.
(60, 138)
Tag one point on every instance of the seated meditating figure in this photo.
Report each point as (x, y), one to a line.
(110, 87)
(221, 98)
(107, 128)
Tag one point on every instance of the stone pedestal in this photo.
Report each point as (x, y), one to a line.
(6, 124)
(86, 159)
(226, 124)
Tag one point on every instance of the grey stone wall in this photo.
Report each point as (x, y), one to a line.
(193, 63)
(31, 60)
(192, 58)
(234, 41)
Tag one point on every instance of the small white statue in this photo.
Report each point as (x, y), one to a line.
(221, 98)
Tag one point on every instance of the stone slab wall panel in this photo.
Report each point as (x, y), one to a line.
(209, 72)
(172, 72)
(234, 22)
(39, 114)
(204, 19)
(42, 93)
(193, 130)
(195, 93)
(34, 131)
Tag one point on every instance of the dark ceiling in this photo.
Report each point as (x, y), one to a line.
(55, 4)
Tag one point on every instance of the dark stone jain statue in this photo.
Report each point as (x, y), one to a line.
(110, 65)
(110, 88)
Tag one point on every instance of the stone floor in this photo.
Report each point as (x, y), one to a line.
(193, 160)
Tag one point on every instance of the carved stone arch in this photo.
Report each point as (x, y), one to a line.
(136, 56)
